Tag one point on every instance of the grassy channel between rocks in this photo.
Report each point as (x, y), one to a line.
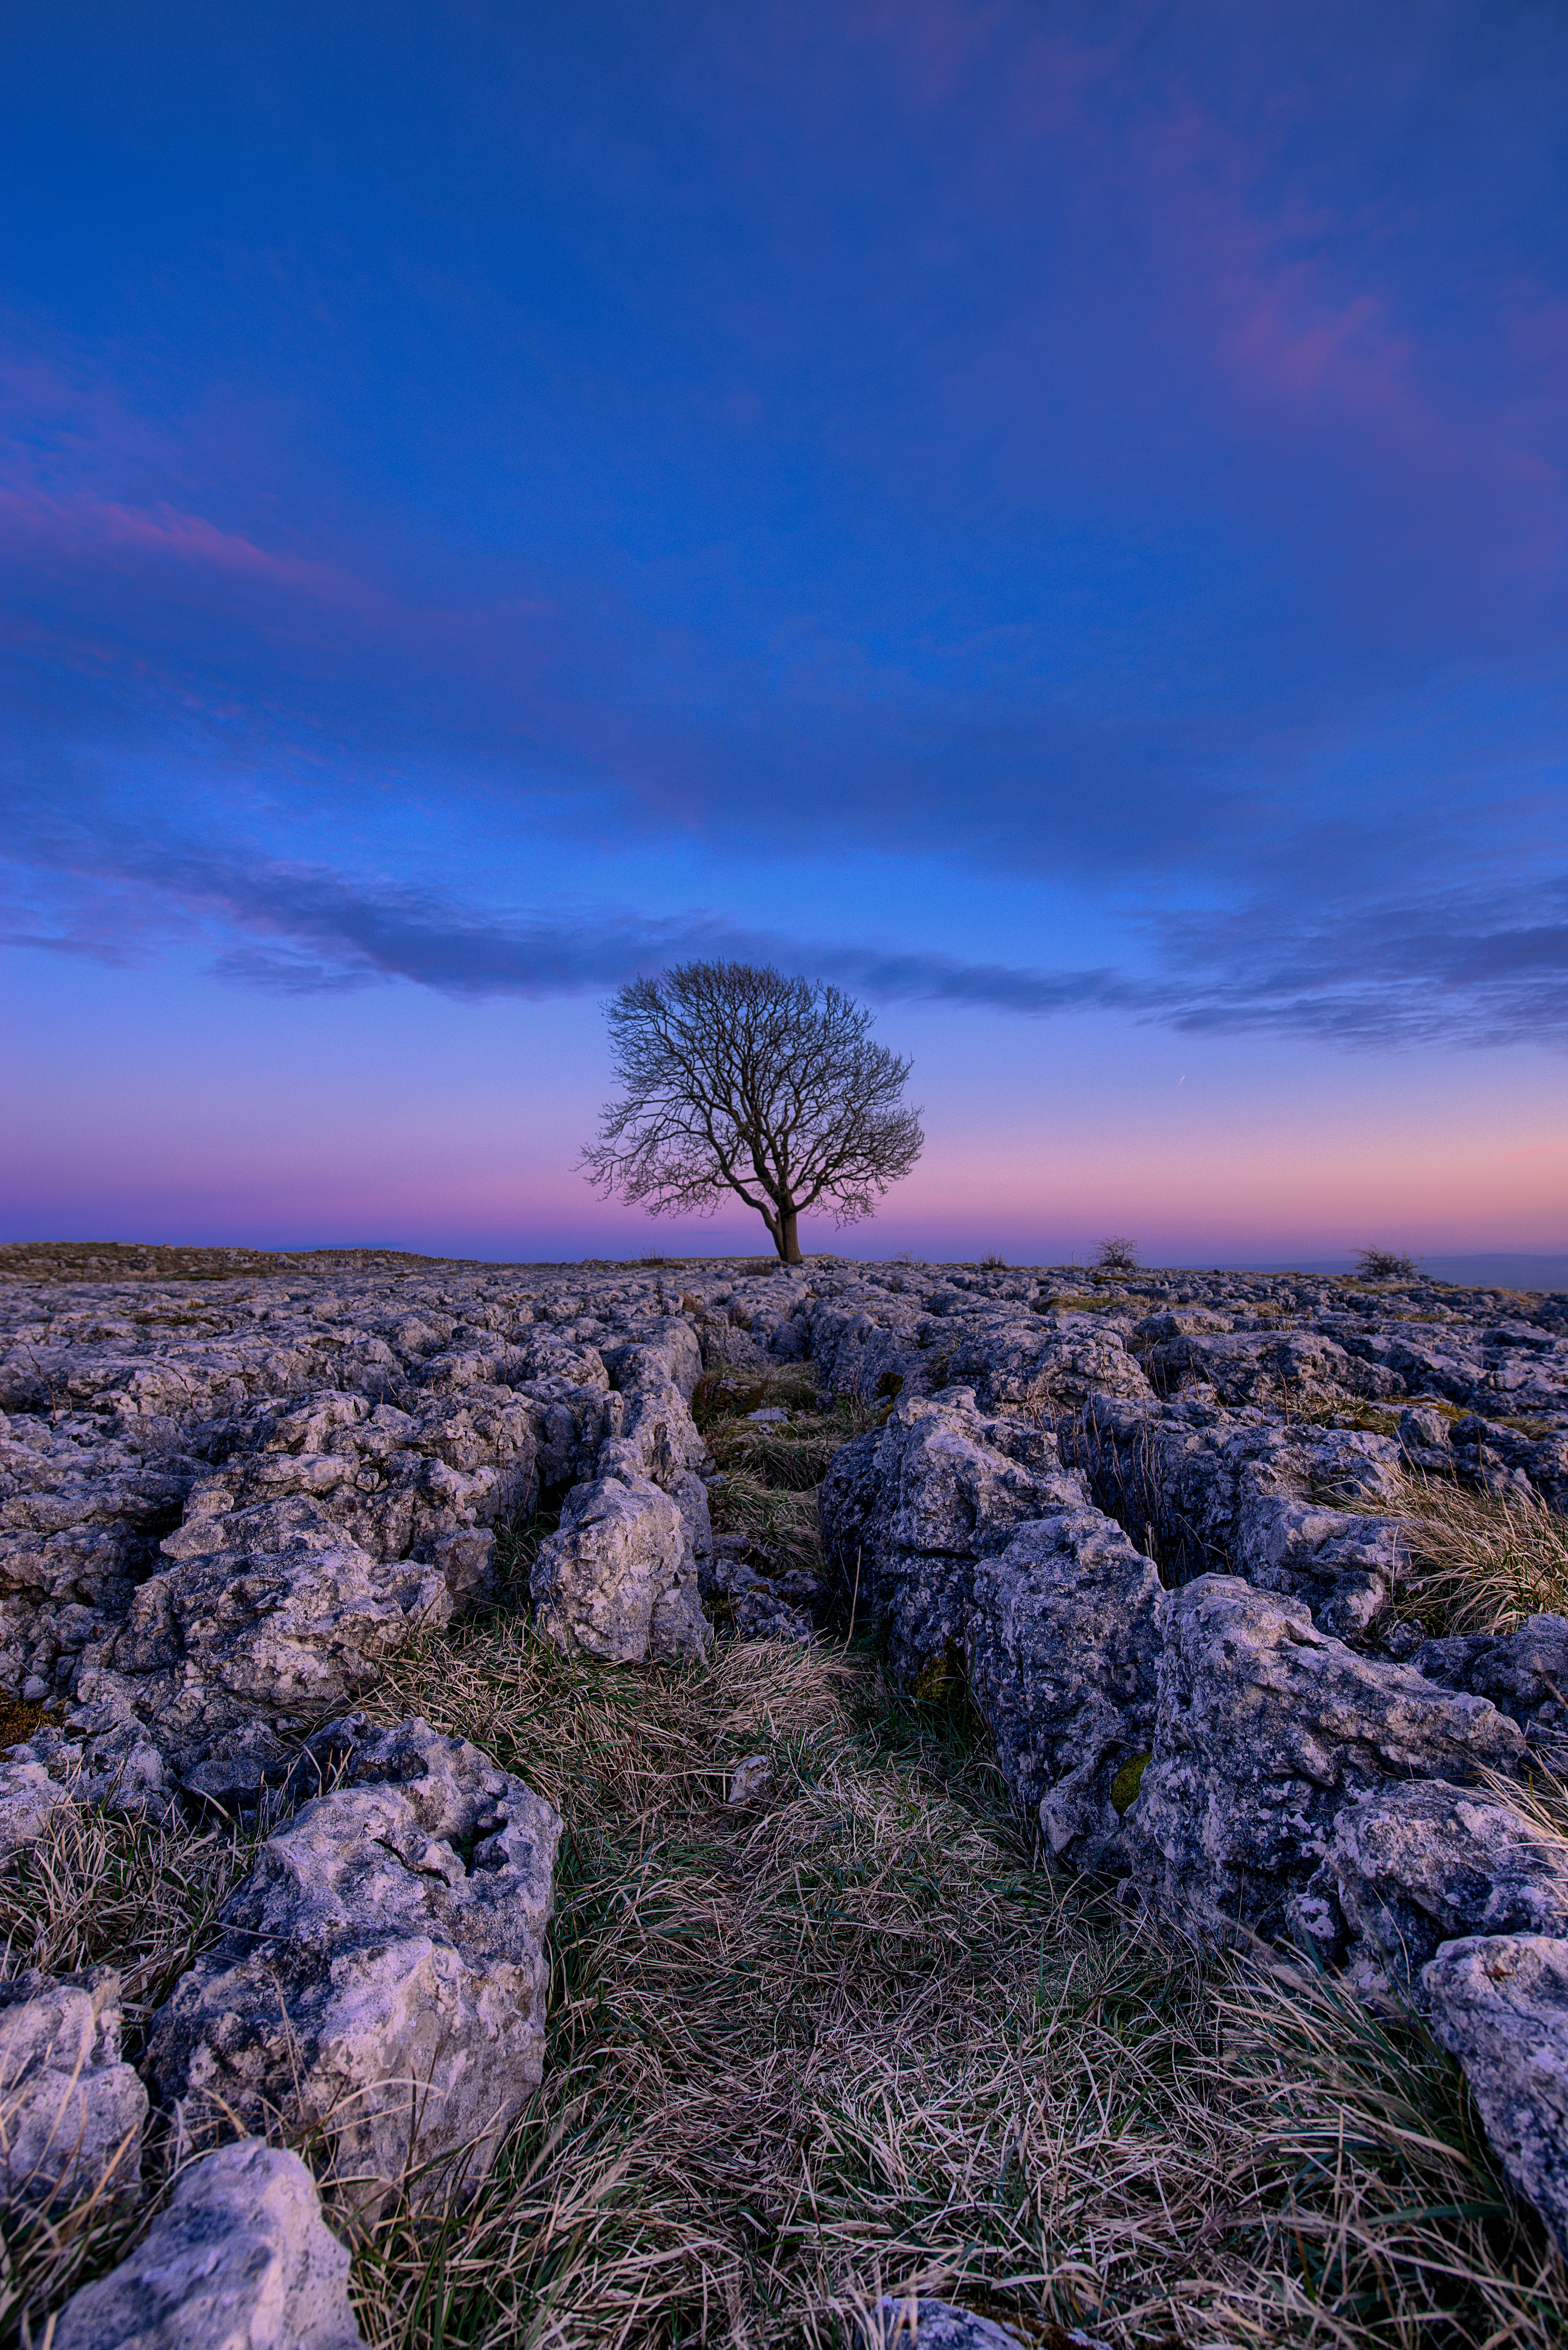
(850, 2037)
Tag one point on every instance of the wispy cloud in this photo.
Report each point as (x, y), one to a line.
(1443, 971)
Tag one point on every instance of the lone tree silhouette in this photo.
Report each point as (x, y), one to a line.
(738, 1079)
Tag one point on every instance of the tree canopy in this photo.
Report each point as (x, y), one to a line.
(736, 1079)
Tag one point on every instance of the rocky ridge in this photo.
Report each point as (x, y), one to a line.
(1146, 1520)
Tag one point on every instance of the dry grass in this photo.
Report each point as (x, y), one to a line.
(770, 1470)
(848, 2039)
(1480, 1562)
(783, 1523)
(98, 1889)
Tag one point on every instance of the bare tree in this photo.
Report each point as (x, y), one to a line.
(738, 1079)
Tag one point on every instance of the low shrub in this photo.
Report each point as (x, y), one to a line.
(1385, 1264)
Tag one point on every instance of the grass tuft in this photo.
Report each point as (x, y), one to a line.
(1479, 1562)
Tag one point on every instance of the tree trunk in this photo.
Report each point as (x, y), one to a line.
(787, 1238)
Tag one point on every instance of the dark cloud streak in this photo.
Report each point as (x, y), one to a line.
(1426, 973)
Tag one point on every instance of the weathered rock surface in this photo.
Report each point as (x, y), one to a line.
(963, 1534)
(1524, 1673)
(1206, 1494)
(30, 1797)
(1409, 1867)
(1265, 1729)
(269, 1616)
(241, 2260)
(382, 1974)
(1062, 1648)
(907, 1512)
(898, 2324)
(71, 2114)
(618, 1580)
(1500, 2003)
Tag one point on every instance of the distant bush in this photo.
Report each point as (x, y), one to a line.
(1116, 1254)
(1385, 1264)
(991, 1263)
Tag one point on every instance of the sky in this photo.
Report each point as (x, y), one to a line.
(1051, 518)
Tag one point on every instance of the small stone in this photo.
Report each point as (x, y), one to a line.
(748, 1778)
(911, 2324)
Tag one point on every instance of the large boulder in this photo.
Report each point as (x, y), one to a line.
(618, 1580)
(1063, 1652)
(71, 2114)
(240, 2260)
(903, 1521)
(1265, 1729)
(650, 1434)
(1500, 2003)
(382, 1974)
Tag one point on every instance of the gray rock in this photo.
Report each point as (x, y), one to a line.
(1265, 1729)
(902, 1526)
(862, 1353)
(1411, 1867)
(272, 1612)
(727, 1349)
(382, 1973)
(899, 2324)
(1281, 1369)
(1499, 2005)
(1524, 1673)
(1210, 1493)
(1049, 1365)
(618, 1581)
(403, 1482)
(71, 2114)
(30, 1795)
(753, 1597)
(748, 1778)
(1063, 1651)
(241, 2260)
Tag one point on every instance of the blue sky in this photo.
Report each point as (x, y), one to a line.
(1051, 516)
